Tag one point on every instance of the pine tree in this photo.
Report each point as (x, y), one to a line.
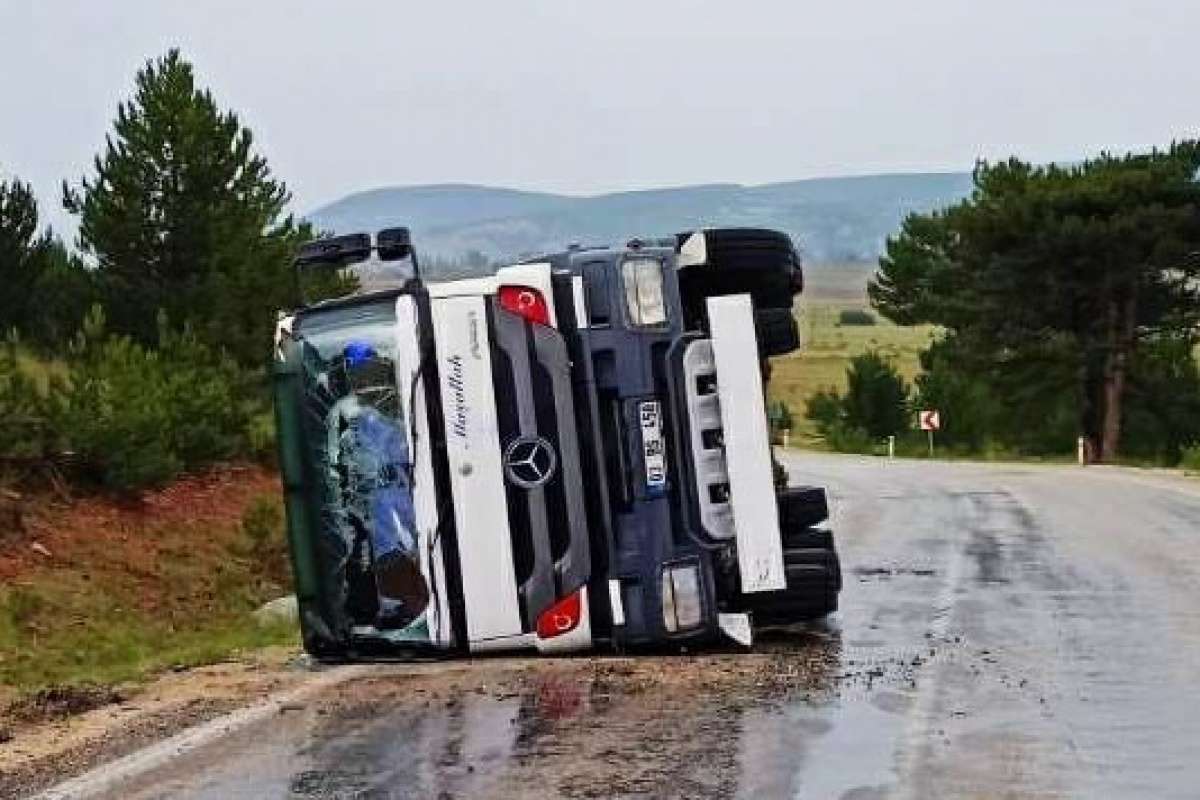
(20, 248)
(1049, 280)
(184, 215)
(44, 289)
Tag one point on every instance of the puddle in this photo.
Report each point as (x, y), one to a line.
(713, 725)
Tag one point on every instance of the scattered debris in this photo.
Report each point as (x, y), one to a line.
(58, 702)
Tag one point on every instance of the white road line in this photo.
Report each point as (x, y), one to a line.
(107, 776)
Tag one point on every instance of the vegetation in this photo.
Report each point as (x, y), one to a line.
(856, 316)
(873, 407)
(821, 363)
(138, 416)
(178, 593)
(1070, 298)
(183, 216)
(126, 371)
(46, 290)
(191, 247)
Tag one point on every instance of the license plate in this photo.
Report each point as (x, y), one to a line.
(650, 416)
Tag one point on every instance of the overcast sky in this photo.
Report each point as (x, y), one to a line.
(614, 94)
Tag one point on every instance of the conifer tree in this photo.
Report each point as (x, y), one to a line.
(183, 215)
(20, 247)
(1050, 280)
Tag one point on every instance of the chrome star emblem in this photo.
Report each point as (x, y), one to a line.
(529, 461)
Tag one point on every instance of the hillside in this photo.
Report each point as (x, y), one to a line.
(833, 219)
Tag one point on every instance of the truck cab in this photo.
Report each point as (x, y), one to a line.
(568, 453)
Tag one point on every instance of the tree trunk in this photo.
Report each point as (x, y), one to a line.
(1121, 329)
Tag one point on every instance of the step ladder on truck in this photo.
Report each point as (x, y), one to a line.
(569, 453)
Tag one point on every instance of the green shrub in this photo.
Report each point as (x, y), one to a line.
(848, 439)
(24, 429)
(260, 437)
(138, 417)
(874, 407)
(825, 408)
(856, 316)
(1191, 458)
(876, 399)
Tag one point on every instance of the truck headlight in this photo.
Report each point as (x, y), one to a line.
(643, 279)
(682, 605)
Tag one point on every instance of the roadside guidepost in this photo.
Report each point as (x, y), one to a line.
(891, 447)
(930, 421)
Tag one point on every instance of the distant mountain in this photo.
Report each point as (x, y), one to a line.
(831, 219)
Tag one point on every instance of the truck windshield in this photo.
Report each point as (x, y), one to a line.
(357, 432)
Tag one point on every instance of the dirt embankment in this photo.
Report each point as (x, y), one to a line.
(127, 536)
(99, 591)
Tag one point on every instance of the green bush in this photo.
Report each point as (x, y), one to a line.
(1191, 458)
(876, 399)
(138, 417)
(825, 408)
(874, 407)
(24, 430)
(848, 439)
(856, 316)
(969, 409)
(260, 438)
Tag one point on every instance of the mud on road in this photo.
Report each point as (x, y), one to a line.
(583, 727)
(1004, 632)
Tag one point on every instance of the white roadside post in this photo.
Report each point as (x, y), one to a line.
(891, 447)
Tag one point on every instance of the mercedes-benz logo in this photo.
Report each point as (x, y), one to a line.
(529, 461)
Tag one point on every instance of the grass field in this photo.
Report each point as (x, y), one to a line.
(828, 346)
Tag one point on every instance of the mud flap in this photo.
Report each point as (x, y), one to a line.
(747, 444)
(736, 627)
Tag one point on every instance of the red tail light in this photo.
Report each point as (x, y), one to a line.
(526, 301)
(560, 618)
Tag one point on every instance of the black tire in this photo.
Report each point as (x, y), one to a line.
(776, 331)
(808, 538)
(763, 263)
(802, 507)
(814, 578)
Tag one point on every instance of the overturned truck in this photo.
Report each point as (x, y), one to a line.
(572, 452)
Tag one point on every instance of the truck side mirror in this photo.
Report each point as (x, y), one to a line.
(393, 244)
(335, 250)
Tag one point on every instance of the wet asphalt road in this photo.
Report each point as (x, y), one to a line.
(1004, 631)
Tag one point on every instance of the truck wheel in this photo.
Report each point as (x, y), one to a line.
(821, 538)
(814, 577)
